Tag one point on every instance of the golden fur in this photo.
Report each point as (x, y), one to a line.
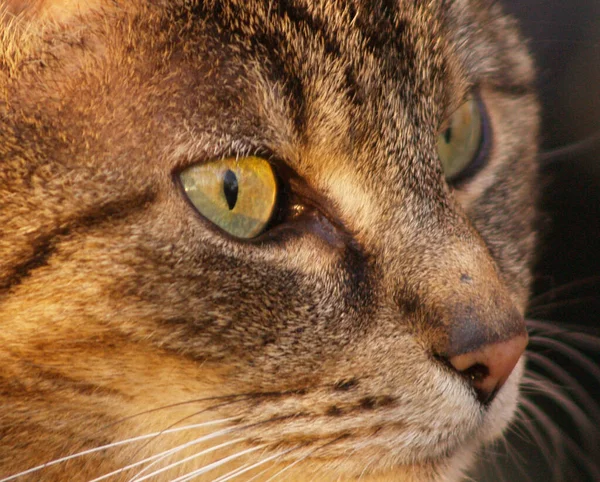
(124, 313)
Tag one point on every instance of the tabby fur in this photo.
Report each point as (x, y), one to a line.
(123, 312)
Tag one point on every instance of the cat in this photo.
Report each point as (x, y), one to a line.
(262, 240)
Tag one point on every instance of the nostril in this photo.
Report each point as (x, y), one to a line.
(476, 373)
(478, 376)
(488, 367)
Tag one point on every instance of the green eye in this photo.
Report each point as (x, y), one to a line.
(460, 142)
(238, 195)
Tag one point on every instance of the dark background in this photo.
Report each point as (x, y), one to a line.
(564, 37)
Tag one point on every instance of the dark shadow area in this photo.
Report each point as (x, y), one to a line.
(565, 40)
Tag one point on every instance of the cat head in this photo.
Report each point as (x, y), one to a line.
(369, 321)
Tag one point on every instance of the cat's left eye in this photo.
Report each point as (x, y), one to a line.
(239, 195)
(459, 144)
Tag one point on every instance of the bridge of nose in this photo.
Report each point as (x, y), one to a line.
(454, 290)
(430, 256)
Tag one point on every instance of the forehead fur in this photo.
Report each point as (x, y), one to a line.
(295, 63)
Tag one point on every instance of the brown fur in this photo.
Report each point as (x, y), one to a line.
(123, 312)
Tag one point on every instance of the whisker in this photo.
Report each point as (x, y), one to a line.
(515, 456)
(543, 308)
(574, 449)
(583, 335)
(253, 466)
(256, 476)
(229, 430)
(493, 452)
(237, 397)
(584, 340)
(563, 348)
(556, 457)
(239, 469)
(582, 421)
(195, 414)
(111, 445)
(553, 292)
(240, 398)
(166, 407)
(534, 433)
(576, 148)
(128, 467)
(217, 464)
(309, 454)
(517, 428)
(564, 377)
(172, 405)
(186, 459)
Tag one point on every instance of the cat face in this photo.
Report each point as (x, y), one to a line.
(325, 345)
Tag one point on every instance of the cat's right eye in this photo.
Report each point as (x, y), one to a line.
(239, 195)
(459, 144)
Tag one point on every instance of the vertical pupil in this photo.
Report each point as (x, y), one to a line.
(230, 188)
(448, 135)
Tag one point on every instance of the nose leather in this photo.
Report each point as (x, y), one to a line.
(470, 329)
(488, 367)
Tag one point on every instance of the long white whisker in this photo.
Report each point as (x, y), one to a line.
(239, 470)
(216, 464)
(256, 476)
(562, 375)
(186, 459)
(253, 466)
(127, 467)
(130, 466)
(181, 447)
(309, 454)
(111, 445)
(202, 439)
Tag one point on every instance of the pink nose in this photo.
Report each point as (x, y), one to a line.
(488, 367)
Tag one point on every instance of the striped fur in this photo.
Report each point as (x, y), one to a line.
(123, 312)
